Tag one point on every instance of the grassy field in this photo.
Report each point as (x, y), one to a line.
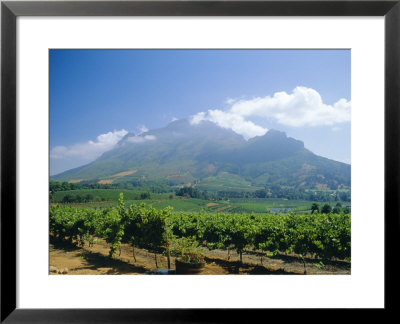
(108, 197)
(105, 194)
(261, 205)
(226, 182)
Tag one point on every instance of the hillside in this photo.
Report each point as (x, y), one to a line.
(213, 158)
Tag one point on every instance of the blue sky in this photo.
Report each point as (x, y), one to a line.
(96, 96)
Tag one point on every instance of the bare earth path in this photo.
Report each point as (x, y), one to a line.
(95, 261)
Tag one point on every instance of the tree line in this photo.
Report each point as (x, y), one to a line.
(273, 191)
(84, 198)
(55, 186)
(327, 208)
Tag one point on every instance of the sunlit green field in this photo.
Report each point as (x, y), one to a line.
(105, 194)
(102, 198)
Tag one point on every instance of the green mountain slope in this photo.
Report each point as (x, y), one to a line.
(208, 155)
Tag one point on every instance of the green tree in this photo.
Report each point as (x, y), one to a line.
(145, 195)
(89, 197)
(314, 208)
(68, 198)
(337, 209)
(326, 209)
(347, 210)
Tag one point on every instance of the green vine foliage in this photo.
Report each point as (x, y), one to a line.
(325, 236)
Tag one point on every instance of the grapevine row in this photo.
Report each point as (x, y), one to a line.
(325, 236)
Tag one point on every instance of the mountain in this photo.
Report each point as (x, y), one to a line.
(212, 158)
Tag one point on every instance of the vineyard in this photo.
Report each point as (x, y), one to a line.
(322, 236)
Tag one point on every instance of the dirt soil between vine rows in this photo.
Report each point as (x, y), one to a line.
(95, 261)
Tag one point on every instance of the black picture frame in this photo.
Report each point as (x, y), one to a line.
(10, 10)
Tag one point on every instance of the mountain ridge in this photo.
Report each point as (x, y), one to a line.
(184, 153)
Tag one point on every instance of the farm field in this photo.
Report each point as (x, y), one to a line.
(226, 181)
(258, 243)
(109, 198)
(95, 261)
(104, 194)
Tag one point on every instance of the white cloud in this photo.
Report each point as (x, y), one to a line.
(91, 149)
(199, 117)
(59, 152)
(143, 129)
(230, 121)
(174, 119)
(229, 101)
(302, 107)
(140, 139)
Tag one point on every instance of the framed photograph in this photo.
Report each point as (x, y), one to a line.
(251, 145)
